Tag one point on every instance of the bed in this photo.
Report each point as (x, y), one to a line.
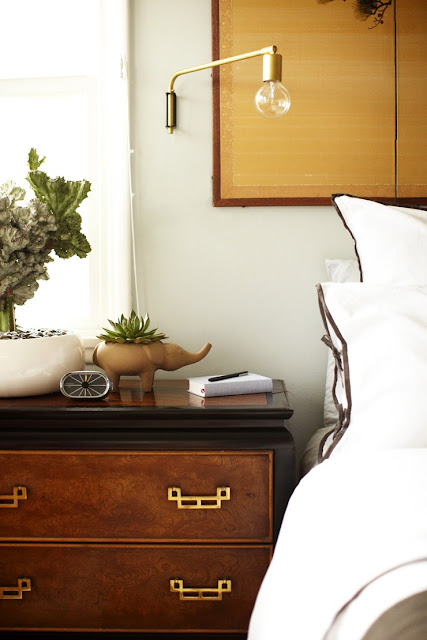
(351, 558)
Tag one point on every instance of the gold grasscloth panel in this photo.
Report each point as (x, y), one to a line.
(412, 98)
(339, 135)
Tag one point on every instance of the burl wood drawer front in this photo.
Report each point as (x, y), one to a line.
(138, 496)
(134, 587)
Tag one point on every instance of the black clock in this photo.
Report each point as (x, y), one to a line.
(85, 384)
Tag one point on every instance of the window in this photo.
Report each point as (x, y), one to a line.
(63, 90)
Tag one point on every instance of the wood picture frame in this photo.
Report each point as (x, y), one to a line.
(345, 132)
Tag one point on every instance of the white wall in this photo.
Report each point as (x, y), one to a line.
(241, 278)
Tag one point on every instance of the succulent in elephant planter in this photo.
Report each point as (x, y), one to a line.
(32, 362)
(130, 348)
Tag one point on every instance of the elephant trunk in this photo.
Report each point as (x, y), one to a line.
(199, 355)
(177, 357)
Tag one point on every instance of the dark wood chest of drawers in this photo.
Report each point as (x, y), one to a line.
(150, 514)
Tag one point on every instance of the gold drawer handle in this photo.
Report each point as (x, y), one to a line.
(11, 501)
(15, 593)
(200, 593)
(199, 502)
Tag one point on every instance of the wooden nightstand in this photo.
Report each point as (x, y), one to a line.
(144, 513)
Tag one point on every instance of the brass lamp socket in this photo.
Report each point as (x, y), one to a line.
(170, 111)
(272, 67)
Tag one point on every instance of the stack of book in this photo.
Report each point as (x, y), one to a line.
(208, 387)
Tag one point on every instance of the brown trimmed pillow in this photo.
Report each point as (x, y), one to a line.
(379, 338)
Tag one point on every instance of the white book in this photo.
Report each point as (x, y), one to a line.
(250, 383)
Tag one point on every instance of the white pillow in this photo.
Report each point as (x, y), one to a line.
(390, 241)
(338, 271)
(380, 332)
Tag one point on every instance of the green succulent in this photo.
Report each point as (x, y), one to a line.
(131, 330)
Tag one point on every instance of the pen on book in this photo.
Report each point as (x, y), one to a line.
(228, 375)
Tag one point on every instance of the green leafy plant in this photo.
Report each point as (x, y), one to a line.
(62, 197)
(131, 330)
(29, 233)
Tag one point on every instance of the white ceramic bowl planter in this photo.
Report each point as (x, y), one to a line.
(35, 366)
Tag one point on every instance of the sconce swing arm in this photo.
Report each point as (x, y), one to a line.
(272, 68)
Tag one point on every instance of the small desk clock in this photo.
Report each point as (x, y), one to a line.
(85, 384)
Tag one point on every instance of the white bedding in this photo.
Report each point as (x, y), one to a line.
(348, 522)
(379, 596)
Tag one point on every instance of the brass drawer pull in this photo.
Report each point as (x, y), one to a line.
(200, 593)
(15, 593)
(11, 501)
(199, 502)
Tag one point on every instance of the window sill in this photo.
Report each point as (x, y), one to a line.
(89, 343)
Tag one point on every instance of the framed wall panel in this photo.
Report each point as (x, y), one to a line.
(340, 133)
(411, 57)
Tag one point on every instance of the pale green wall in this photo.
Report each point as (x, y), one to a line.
(241, 278)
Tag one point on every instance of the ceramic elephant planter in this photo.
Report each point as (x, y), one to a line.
(143, 360)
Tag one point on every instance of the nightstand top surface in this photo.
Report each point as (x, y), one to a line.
(169, 418)
(167, 395)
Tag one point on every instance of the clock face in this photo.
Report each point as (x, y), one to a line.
(85, 384)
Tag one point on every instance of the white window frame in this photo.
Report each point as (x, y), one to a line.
(110, 222)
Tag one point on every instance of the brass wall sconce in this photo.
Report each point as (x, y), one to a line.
(272, 100)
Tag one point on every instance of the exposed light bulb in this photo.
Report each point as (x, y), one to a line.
(272, 99)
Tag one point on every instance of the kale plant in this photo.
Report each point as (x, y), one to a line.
(29, 233)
